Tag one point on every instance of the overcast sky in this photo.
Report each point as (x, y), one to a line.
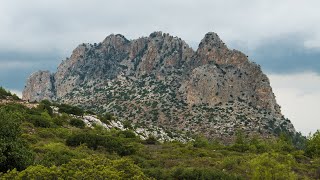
(281, 35)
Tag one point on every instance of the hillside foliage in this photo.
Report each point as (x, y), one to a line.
(38, 144)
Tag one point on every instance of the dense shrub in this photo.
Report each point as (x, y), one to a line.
(43, 120)
(127, 124)
(158, 173)
(151, 140)
(272, 166)
(14, 152)
(200, 142)
(14, 107)
(45, 105)
(313, 145)
(106, 118)
(65, 108)
(93, 141)
(241, 144)
(201, 173)
(127, 134)
(77, 123)
(57, 154)
(95, 167)
(257, 145)
(4, 93)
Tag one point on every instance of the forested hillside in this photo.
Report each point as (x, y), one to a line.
(39, 143)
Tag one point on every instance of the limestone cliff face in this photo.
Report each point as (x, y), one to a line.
(229, 76)
(160, 80)
(39, 86)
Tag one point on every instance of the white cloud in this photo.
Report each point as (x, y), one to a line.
(299, 97)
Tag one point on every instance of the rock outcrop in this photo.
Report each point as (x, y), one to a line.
(160, 80)
(40, 85)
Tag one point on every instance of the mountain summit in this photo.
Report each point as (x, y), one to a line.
(159, 80)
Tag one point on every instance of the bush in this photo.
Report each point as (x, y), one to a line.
(45, 105)
(272, 166)
(4, 93)
(58, 121)
(127, 134)
(93, 141)
(44, 120)
(64, 108)
(200, 142)
(106, 118)
(240, 145)
(57, 154)
(313, 145)
(95, 167)
(77, 123)
(201, 173)
(151, 140)
(127, 124)
(158, 173)
(258, 146)
(14, 152)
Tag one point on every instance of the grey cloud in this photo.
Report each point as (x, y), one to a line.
(15, 67)
(38, 34)
(283, 55)
(62, 24)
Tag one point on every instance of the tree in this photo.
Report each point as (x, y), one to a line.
(45, 105)
(272, 166)
(77, 123)
(240, 145)
(200, 142)
(65, 108)
(313, 145)
(151, 140)
(14, 153)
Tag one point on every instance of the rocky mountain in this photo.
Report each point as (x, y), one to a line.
(160, 81)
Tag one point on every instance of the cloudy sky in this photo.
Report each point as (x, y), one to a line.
(281, 35)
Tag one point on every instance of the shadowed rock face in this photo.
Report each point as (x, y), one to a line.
(160, 80)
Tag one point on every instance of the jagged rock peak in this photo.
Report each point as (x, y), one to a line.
(212, 39)
(115, 39)
(160, 80)
(156, 34)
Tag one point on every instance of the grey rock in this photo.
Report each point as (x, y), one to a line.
(40, 86)
(160, 81)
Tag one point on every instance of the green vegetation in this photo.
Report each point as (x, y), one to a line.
(14, 152)
(313, 145)
(77, 123)
(39, 144)
(5, 94)
(65, 108)
(109, 143)
(106, 118)
(94, 167)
